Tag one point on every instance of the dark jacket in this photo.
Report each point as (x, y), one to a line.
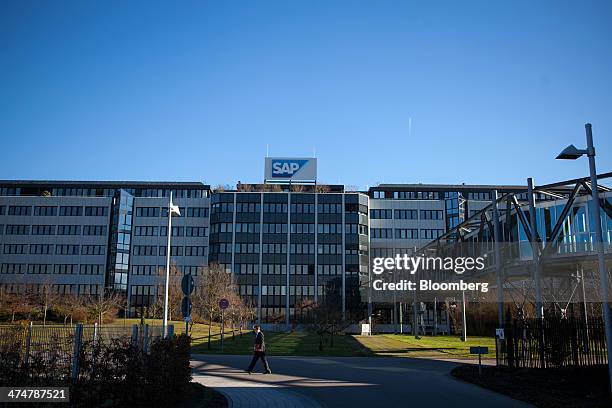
(260, 344)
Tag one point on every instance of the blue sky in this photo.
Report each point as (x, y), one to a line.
(145, 90)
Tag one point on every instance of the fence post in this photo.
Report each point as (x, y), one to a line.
(95, 334)
(78, 334)
(145, 339)
(26, 359)
(573, 327)
(135, 335)
(542, 335)
(511, 342)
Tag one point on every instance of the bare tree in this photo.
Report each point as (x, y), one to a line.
(276, 188)
(175, 293)
(23, 302)
(298, 188)
(322, 188)
(246, 314)
(68, 306)
(104, 304)
(47, 297)
(324, 317)
(14, 303)
(214, 285)
(244, 187)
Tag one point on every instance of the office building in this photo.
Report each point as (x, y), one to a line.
(289, 242)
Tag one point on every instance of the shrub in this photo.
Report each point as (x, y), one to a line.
(111, 373)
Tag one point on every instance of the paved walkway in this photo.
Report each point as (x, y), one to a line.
(245, 390)
(343, 381)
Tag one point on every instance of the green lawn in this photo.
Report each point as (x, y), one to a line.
(284, 344)
(307, 344)
(427, 346)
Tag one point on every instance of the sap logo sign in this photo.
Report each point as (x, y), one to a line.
(287, 168)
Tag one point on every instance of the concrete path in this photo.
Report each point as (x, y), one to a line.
(343, 382)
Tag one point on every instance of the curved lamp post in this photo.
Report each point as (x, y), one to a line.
(572, 153)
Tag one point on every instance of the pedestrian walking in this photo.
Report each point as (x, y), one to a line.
(259, 351)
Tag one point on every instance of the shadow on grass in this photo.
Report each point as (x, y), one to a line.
(284, 344)
(411, 349)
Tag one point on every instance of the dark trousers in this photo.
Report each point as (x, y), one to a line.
(256, 356)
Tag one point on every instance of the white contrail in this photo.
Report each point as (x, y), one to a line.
(409, 127)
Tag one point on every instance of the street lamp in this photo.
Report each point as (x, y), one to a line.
(572, 153)
(172, 209)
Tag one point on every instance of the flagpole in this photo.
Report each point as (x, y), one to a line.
(165, 325)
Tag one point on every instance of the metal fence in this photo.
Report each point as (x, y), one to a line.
(60, 347)
(552, 343)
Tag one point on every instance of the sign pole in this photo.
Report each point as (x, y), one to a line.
(223, 304)
(222, 327)
(187, 285)
(464, 328)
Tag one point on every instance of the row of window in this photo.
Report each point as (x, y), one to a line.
(51, 211)
(252, 269)
(55, 230)
(152, 231)
(59, 288)
(407, 195)
(154, 250)
(160, 269)
(406, 233)
(58, 269)
(388, 214)
(254, 228)
(196, 212)
(266, 228)
(58, 249)
(277, 208)
(279, 290)
(323, 249)
(109, 192)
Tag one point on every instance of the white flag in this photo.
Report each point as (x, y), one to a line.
(174, 209)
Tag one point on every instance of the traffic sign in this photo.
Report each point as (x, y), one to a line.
(223, 303)
(479, 350)
(499, 333)
(186, 306)
(187, 284)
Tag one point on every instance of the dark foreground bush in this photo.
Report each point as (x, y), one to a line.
(113, 373)
(565, 387)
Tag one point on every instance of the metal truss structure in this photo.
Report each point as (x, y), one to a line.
(553, 222)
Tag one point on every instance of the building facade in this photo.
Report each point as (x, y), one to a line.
(288, 246)
(81, 238)
(404, 218)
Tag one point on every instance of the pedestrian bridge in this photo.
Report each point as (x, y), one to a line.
(562, 236)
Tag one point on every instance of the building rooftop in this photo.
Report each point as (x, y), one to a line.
(103, 184)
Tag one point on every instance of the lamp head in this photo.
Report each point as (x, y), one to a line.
(570, 153)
